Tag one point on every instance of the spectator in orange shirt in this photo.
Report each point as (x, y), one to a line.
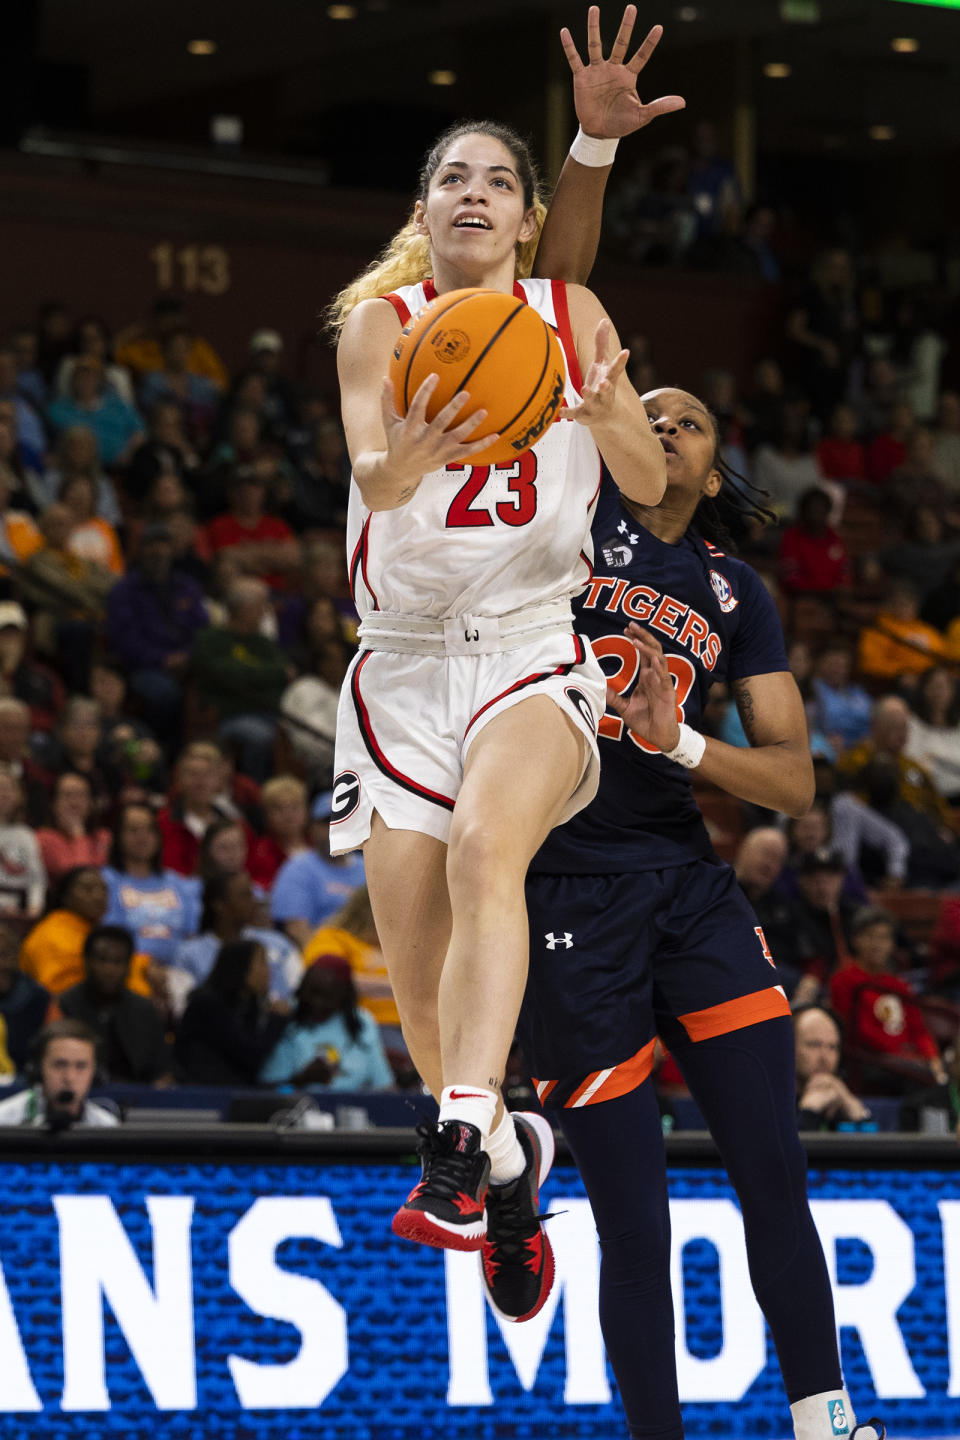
(19, 536)
(52, 953)
(352, 933)
(140, 346)
(878, 1008)
(813, 558)
(91, 537)
(899, 642)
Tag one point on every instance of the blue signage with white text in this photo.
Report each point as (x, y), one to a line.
(241, 1301)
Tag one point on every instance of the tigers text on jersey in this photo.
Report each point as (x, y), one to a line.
(716, 622)
(485, 540)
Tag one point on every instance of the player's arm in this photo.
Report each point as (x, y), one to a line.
(391, 454)
(775, 772)
(610, 407)
(608, 107)
(570, 236)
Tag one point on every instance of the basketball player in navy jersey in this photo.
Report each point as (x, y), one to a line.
(637, 929)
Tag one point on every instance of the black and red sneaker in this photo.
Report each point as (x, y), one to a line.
(517, 1257)
(446, 1209)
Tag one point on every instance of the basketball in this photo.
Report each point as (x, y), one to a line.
(494, 346)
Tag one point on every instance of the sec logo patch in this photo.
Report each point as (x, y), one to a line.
(725, 596)
(345, 797)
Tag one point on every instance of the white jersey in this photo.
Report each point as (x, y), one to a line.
(485, 540)
(28, 1107)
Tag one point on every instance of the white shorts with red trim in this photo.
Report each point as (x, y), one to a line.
(406, 723)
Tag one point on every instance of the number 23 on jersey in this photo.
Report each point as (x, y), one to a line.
(468, 506)
(619, 648)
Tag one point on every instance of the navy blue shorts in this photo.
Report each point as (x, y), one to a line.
(617, 960)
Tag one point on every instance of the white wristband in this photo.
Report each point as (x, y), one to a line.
(689, 749)
(588, 150)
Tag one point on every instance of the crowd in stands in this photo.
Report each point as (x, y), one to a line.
(848, 433)
(175, 623)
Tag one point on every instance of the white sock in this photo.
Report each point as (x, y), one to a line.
(818, 1417)
(471, 1104)
(507, 1159)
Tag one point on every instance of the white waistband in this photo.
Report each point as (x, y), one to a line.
(464, 634)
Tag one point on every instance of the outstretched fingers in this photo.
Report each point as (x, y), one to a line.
(663, 106)
(619, 47)
(645, 49)
(616, 368)
(594, 42)
(571, 51)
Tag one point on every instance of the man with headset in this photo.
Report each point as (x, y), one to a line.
(63, 1067)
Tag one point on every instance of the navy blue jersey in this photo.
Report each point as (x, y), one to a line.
(716, 622)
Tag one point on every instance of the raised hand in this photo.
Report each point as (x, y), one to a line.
(417, 445)
(599, 383)
(605, 91)
(651, 710)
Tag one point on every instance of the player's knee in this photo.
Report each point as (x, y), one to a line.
(481, 862)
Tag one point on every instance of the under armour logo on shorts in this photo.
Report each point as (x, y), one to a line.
(566, 940)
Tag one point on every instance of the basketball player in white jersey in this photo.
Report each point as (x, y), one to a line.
(467, 723)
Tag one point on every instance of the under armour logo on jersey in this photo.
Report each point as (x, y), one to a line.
(471, 634)
(624, 529)
(566, 940)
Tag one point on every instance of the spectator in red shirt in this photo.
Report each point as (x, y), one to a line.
(72, 839)
(944, 970)
(813, 558)
(888, 448)
(263, 544)
(35, 781)
(285, 818)
(839, 453)
(878, 1008)
(193, 807)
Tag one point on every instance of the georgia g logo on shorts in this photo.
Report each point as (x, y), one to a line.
(583, 705)
(345, 797)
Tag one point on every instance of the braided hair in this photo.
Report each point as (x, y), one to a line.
(723, 519)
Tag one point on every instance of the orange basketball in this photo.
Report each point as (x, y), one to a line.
(498, 349)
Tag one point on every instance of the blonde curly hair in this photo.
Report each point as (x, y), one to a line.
(406, 259)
